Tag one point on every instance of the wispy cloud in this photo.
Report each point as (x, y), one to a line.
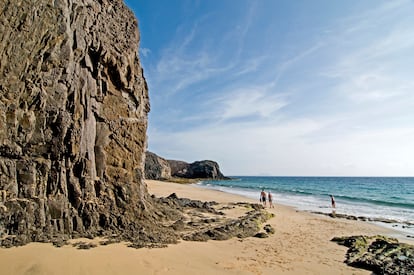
(179, 67)
(285, 65)
(258, 101)
(330, 106)
(193, 56)
(373, 55)
(243, 29)
(144, 51)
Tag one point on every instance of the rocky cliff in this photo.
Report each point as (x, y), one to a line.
(158, 168)
(73, 119)
(178, 168)
(199, 169)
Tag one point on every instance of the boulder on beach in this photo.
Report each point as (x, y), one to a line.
(379, 254)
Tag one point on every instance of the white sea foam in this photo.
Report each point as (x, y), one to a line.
(322, 204)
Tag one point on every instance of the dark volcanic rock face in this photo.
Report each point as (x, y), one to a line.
(198, 169)
(73, 119)
(179, 168)
(157, 168)
(205, 169)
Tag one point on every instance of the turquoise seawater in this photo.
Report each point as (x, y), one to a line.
(389, 198)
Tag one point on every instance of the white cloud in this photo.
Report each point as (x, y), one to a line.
(367, 87)
(251, 101)
(144, 51)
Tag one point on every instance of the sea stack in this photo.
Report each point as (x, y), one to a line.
(73, 120)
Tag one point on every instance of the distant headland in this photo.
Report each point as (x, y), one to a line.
(158, 168)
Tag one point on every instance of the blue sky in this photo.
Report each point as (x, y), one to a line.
(268, 87)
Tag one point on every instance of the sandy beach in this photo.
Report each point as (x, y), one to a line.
(301, 245)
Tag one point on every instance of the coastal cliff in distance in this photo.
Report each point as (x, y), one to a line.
(158, 168)
(73, 120)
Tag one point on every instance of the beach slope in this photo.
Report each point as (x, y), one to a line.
(301, 244)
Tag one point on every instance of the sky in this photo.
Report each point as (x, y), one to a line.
(280, 87)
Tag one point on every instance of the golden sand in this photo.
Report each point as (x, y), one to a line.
(300, 245)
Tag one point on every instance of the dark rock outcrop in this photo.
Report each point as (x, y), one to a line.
(362, 218)
(156, 167)
(198, 169)
(379, 254)
(179, 168)
(243, 227)
(208, 222)
(205, 169)
(73, 116)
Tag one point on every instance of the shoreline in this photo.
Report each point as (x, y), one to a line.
(383, 224)
(301, 244)
(398, 227)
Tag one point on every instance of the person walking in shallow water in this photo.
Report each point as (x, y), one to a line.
(263, 197)
(333, 202)
(270, 197)
(333, 206)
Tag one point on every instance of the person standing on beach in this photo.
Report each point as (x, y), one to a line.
(333, 206)
(270, 197)
(263, 197)
(333, 202)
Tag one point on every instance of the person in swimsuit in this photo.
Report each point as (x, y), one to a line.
(263, 197)
(270, 197)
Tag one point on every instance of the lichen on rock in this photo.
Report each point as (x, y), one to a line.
(379, 254)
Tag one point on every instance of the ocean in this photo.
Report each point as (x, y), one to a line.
(389, 199)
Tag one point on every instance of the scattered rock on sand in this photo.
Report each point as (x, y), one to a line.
(261, 235)
(224, 229)
(379, 254)
(84, 245)
(269, 229)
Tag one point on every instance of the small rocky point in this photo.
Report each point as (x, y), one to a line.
(379, 254)
(158, 168)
